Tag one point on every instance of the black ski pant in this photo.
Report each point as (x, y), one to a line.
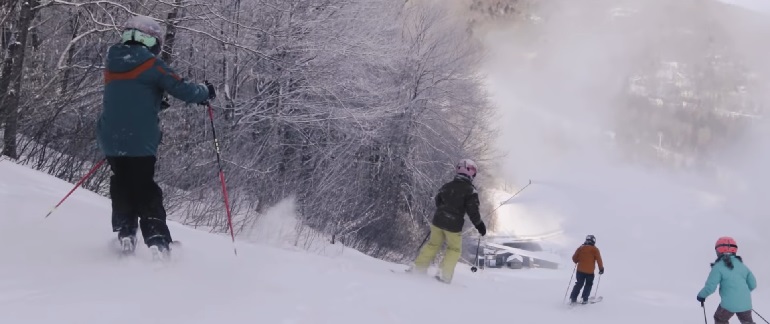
(137, 201)
(582, 279)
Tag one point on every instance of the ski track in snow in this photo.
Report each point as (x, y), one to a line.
(64, 270)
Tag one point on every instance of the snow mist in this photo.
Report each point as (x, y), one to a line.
(558, 75)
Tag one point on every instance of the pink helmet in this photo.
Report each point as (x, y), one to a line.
(726, 244)
(467, 167)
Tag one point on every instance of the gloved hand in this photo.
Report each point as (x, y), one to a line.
(701, 300)
(601, 271)
(164, 103)
(481, 228)
(212, 91)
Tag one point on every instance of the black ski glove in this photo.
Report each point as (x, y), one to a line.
(481, 228)
(212, 92)
(701, 300)
(164, 103)
(601, 271)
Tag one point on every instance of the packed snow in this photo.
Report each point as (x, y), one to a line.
(63, 269)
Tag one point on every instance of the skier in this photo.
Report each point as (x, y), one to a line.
(735, 281)
(128, 132)
(586, 256)
(453, 201)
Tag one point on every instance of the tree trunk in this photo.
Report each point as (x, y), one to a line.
(14, 64)
(170, 38)
(75, 24)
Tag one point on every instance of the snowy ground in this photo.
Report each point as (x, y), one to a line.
(656, 232)
(61, 270)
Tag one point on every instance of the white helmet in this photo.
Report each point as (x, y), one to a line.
(467, 167)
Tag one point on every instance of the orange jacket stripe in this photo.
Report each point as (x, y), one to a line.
(130, 75)
(176, 77)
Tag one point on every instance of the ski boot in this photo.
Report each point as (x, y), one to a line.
(416, 271)
(441, 279)
(159, 248)
(127, 245)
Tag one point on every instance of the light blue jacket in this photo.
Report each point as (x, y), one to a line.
(735, 285)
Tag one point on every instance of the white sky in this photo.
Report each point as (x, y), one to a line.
(758, 5)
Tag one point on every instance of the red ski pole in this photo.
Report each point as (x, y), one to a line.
(222, 178)
(93, 169)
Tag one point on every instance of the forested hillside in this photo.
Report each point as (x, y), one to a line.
(358, 109)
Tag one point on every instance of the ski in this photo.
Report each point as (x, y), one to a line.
(126, 248)
(436, 277)
(590, 301)
(401, 271)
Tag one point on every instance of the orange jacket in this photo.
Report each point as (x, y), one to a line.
(585, 256)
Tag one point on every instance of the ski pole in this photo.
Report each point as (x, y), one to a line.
(222, 178)
(423, 242)
(569, 283)
(501, 204)
(80, 182)
(760, 316)
(515, 194)
(705, 319)
(476, 261)
(596, 292)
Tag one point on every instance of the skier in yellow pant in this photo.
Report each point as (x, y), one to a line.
(453, 201)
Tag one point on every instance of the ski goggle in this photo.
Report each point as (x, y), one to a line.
(138, 36)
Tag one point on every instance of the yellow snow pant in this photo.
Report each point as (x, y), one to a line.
(428, 253)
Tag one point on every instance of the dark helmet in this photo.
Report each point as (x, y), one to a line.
(590, 239)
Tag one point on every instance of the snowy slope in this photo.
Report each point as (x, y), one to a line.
(61, 270)
(555, 84)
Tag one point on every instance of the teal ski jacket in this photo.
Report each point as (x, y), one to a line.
(134, 82)
(735, 285)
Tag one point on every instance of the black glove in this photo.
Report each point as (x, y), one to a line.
(164, 103)
(601, 271)
(481, 228)
(701, 300)
(212, 91)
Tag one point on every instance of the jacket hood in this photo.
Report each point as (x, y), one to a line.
(124, 58)
(463, 178)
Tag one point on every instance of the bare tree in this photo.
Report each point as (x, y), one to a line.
(356, 108)
(13, 73)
